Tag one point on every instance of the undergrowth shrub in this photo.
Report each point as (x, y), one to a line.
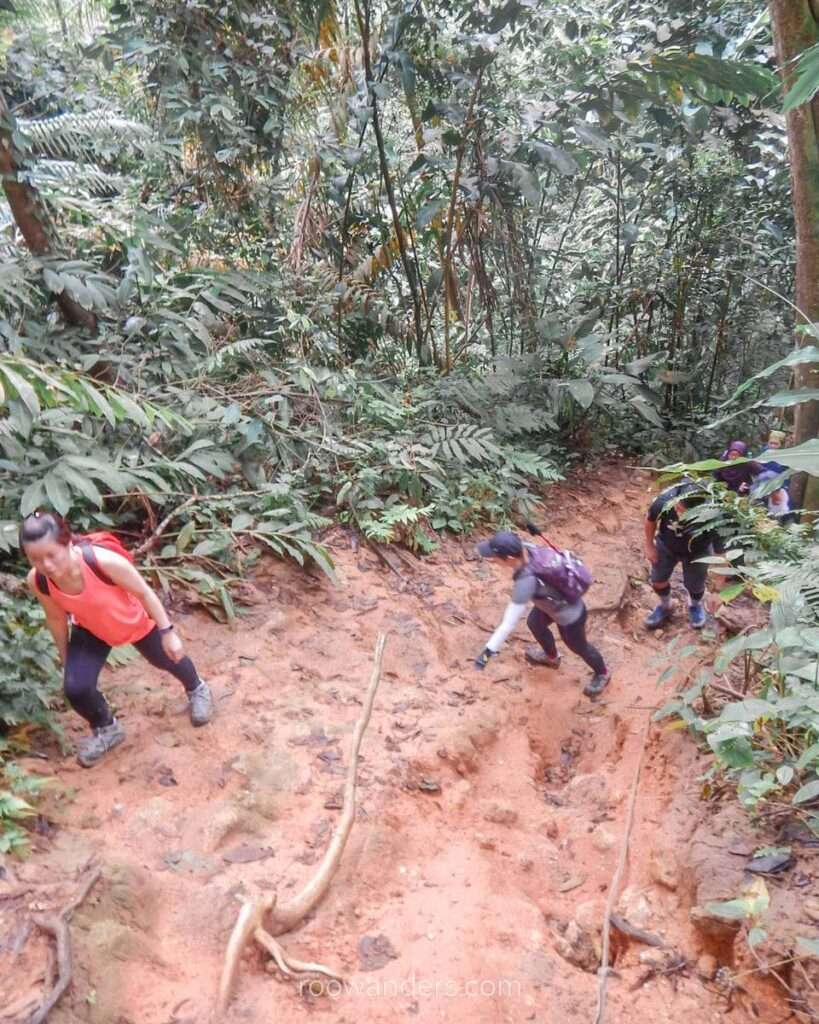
(28, 683)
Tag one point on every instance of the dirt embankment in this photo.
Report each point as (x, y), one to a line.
(491, 815)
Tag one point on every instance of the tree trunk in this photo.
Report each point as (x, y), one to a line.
(796, 27)
(31, 215)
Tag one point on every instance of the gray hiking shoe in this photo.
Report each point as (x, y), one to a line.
(200, 704)
(597, 684)
(537, 656)
(94, 747)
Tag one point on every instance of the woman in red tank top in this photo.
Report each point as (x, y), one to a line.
(94, 599)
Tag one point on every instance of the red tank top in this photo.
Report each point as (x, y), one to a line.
(110, 613)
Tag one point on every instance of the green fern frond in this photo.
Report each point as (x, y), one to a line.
(83, 136)
(234, 350)
(461, 442)
(74, 17)
(88, 178)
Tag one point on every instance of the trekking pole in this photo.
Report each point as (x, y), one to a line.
(537, 532)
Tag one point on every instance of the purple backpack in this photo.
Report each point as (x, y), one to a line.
(561, 570)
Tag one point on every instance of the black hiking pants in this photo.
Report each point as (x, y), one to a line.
(573, 636)
(84, 660)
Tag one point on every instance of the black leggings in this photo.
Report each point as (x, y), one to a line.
(86, 656)
(573, 636)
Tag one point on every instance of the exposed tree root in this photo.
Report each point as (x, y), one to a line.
(57, 925)
(614, 888)
(284, 917)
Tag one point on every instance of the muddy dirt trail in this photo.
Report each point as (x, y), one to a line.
(491, 812)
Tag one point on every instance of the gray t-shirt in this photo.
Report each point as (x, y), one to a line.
(528, 588)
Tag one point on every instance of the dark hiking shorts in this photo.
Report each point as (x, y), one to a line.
(694, 573)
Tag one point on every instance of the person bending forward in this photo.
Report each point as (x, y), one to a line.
(549, 606)
(94, 599)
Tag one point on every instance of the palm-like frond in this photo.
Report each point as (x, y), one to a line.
(61, 175)
(97, 134)
(796, 580)
(75, 18)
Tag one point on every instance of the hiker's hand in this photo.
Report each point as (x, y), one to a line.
(483, 658)
(172, 645)
(651, 553)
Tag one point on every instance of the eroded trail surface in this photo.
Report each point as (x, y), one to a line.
(491, 812)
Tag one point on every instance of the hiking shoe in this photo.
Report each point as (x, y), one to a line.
(660, 615)
(696, 616)
(94, 747)
(598, 682)
(537, 656)
(200, 704)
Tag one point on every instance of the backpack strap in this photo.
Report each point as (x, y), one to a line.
(90, 559)
(41, 582)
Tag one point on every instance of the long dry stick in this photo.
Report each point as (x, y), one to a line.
(57, 925)
(614, 888)
(163, 526)
(250, 922)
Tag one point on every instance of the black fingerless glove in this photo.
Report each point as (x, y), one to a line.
(483, 658)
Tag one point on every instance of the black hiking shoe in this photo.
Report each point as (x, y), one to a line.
(537, 656)
(598, 682)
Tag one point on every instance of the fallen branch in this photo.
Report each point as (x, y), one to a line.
(631, 931)
(146, 545)
(283, 918)
(57, 925)
(614, 888)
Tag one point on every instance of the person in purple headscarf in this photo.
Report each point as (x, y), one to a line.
(737, 477)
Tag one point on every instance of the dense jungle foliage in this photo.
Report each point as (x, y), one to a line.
(399, 263)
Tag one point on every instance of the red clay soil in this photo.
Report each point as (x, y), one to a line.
(491, 814)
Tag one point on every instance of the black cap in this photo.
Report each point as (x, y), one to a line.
(501, 545)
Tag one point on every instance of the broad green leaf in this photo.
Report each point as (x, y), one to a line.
(735, 753)
(428, 212)
(322, 558)
(593, 137)
(58, 493)
(783, 399)
(732, 910)
(207, 547)
(33, 497)
(808, 756)
(751, 642)
(563, 162)
(748, 710)
(803, 458)
(807, 792)
(185, 536)
(756, 936)
(729, 593)
(805, 354)
(80, 482)
(24, 390)
(582, 391)
(242, 521)
(810, 946)
(806, 84)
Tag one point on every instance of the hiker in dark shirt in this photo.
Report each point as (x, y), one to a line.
(668, 541)
(549, 606)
